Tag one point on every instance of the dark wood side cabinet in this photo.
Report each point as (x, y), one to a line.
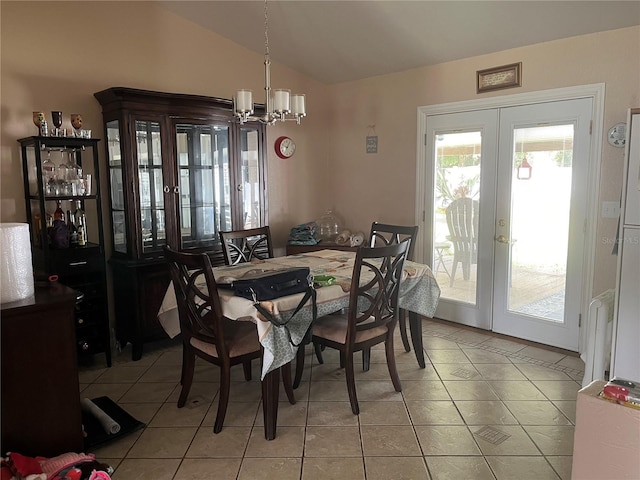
(41, 412)
(181, 169)
(81, 267)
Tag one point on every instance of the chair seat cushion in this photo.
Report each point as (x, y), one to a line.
(334, 327)
(242, 338)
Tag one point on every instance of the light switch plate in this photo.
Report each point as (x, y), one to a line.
(610, 210)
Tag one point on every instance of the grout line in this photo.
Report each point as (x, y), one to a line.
(506, 353)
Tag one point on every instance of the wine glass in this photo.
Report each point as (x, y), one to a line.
(74, 174)
(76, 123)
(56, 118)
(38, 118)
(48, 175)
(62, 171)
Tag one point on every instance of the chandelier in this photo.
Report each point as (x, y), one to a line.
(280, 105)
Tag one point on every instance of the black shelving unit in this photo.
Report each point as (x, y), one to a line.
(82, 268)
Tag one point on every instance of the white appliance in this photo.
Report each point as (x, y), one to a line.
(625, 347)
(596, 353)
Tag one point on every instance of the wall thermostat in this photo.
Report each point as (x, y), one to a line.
(617, 135)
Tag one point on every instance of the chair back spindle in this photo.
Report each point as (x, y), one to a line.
(384, 234)
(241, 246)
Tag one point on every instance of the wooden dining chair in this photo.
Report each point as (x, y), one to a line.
(241, 246)
(385, 234)
(372, 315)
(206, 333)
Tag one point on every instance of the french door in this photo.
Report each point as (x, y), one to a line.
(508, 212)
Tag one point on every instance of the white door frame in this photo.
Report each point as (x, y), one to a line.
(425, 185)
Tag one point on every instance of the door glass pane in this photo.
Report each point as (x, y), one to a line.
(456, 205)
(251, 184)
(205, 193)
(113, 142)
(150, 178)
(539, 224)
(117, 187)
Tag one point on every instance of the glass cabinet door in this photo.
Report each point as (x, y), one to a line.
(118, 213)
(150, 186)
(204, 183)
(251, 178)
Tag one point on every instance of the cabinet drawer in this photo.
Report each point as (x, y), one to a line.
(69, 265)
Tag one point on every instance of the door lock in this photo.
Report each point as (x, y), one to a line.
(501, 222)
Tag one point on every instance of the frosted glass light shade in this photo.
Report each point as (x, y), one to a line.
(298, 104)
(281, 100)
(244, 101)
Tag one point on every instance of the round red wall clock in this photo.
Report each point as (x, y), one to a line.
(285, 147)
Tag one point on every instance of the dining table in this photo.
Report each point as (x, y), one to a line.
(419, 295)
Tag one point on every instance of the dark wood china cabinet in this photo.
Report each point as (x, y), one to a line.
(180, 170)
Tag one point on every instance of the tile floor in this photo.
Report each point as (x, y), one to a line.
(484, 408)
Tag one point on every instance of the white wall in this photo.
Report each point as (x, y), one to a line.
(355, 180)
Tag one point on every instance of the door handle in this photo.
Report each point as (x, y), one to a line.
(502, 239)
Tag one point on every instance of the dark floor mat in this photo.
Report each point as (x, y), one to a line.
(96, 436)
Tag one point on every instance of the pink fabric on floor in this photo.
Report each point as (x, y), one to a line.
(52, 466)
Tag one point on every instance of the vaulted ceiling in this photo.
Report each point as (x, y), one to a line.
(337, 41)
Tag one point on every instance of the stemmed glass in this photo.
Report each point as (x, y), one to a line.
(49, 175)
(74, 173)
(56, 118)
(38, 118)
(63, 173)
(76, 123)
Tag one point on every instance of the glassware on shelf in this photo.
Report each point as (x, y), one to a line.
(38, 118)
(59, 213)
(74, 174)
(56, 119)
(80, 224)
(73, 230)
(61, 171)
(76, 123)
(86, 183)
(48, 175)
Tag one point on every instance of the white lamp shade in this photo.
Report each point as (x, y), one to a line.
(244, 101)
(281, 99)
(298, 105)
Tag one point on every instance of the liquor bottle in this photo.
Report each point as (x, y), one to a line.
(73, 230)
(59, 213)
(81, 224)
